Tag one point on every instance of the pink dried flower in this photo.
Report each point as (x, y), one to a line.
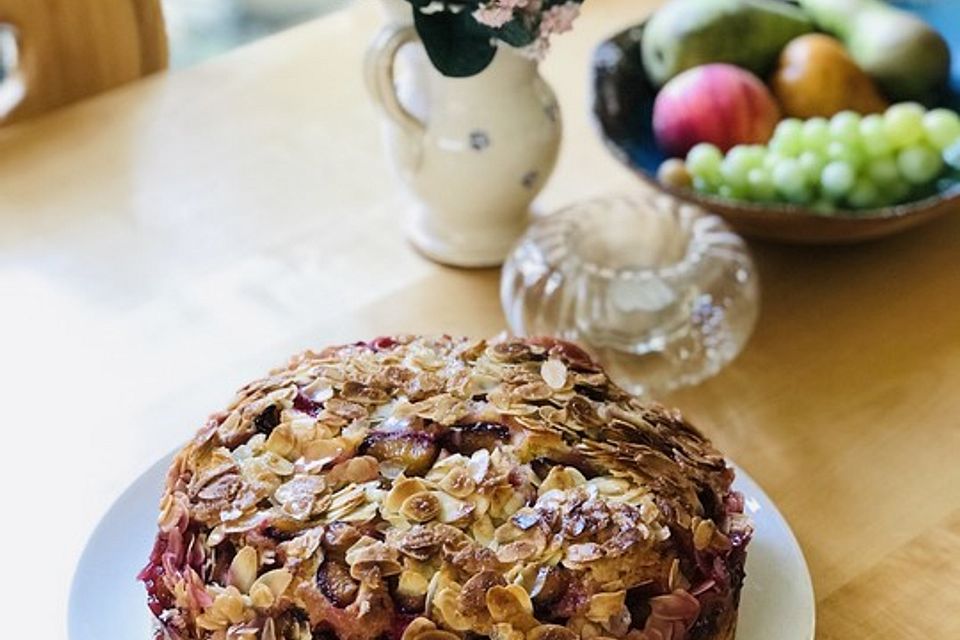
(531, 7)
(497, 13)
(556, 19)
(493, 15)
(559, 19)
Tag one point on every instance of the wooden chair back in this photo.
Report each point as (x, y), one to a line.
(71, 49)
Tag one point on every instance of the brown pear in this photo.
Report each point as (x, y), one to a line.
(815, 76)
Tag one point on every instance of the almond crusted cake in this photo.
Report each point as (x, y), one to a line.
(441, 488)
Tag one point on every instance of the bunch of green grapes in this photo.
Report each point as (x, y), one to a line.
(849, 161)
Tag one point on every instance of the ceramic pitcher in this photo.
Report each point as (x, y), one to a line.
(473, 152)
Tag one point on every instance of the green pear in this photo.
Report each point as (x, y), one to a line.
(747, 33)
(901, 52)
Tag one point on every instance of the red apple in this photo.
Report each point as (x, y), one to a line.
(717, 103)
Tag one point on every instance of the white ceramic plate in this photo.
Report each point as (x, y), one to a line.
(106, 601)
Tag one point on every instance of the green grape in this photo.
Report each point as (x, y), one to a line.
(883, 170)
(771, 160)
(704, 160)
(824, 207)
(789, 128)
(732, 192)
(739, 160)
(883, 198)
(851, 154)
(863, 195)
(942, 127)
(787, 137)
(837, 178)
(760, 185)
(845, 127)
(862, 161)
(754, 154)
(903, 124)
(951, 155)
(803, 196)
(873, 137)
(702, 185)
(816, 134)
(919, 164)
(812, 164)
(896, 191)
(789, 178)
(733, 173)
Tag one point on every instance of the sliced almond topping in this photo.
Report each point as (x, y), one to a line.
(458, 483)
(354, 470)
(437, 634)
(562, 478)
(505, 631)
(703, 534)
(554, 373)
(281, 441)
(603, 606)
(551, 632)
(269, 631)
(507, 602)
(243, 569)
(229, 427)
(676, 579)
(325, 451)
(368, 553)
(583, 553)
(451, 509)
(261, 597)
(417, 627)
(275, 581)
(277, 464)
(402, 489)
(512, 605)
(446, 605)
(483, 530)
(421, 507)
(478, 465)
(516, 552)
(411, 590)
(230, 605)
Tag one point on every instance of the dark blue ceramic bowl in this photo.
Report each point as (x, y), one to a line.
(623, 107)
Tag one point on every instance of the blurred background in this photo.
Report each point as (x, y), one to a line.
(199, 29)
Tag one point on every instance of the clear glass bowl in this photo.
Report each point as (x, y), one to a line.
(662, 292)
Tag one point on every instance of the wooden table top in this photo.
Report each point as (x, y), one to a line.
(162, 244)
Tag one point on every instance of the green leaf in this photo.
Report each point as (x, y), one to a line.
(516, 33)
(457, 45)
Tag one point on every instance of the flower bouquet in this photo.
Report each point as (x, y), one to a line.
(461, 36)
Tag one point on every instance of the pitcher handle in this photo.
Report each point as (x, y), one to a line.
(379, 74)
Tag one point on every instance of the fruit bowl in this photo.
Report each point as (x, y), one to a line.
(623, 99)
